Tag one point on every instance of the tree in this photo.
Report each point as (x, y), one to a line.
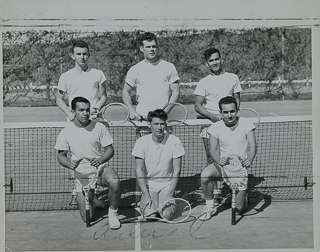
(265, 54)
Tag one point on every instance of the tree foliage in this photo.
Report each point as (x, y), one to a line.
(39, 57)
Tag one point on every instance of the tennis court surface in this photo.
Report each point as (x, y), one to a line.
(38, 216)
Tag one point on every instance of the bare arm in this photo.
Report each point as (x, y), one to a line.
(103, 96)
(237, 97)
(65, 161)
(252, 149)
(214, 148)
(106, 156)
(59, 95)
(175, 92)
(175, 176)
(141, 174)
(198, 107)
(127, 101)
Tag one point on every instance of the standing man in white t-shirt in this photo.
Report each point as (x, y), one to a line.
(230, 136)
(156, 80)
(90, 145)
(158, 163)
(83, 81)
(216, 85)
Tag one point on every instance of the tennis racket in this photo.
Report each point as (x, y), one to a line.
(88, 182)
(174, 210)
(250, 113)
(177, 113)
(115, 113)
(235, 176)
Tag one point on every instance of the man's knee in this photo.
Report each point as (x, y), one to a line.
(209, 173)
(111, 180)
(113, 183)
(242, 201)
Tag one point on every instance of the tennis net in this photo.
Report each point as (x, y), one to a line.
(282, 169)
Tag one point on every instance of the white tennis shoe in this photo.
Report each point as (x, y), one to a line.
(114, 223)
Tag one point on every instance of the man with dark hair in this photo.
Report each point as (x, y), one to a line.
(90, 145)
(81, 80)
(84, 81)
(230, 136)
(158, 162)
(215, 86)
(156, 80)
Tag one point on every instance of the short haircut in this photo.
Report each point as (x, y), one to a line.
(158, 113)
(79, 43)
(227, 100)
(76, 100)
(147, 36)
(207, 54)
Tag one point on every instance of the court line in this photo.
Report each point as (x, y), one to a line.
(273, 114)
(137, 240)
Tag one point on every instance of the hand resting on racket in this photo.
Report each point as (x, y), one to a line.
(226, 160)
(95, 162)
(134, 115)
(245, 162)
(74, 164)
(145, 202)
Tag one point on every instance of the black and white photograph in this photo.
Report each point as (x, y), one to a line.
(136, 125)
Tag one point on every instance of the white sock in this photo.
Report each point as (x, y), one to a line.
(113, 212)
(210, 203)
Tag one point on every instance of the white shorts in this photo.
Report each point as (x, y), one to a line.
(86, 174)
(83, 180)
(158, 186)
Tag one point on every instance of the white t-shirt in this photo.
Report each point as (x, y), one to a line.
(215, 87)
(85, 142)
(158, 157)
(79, 83)
(153, 84)
(232, 142)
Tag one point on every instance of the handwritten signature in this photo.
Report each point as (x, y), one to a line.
(107, 234)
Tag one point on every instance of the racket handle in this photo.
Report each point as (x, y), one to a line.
(87, 207)
(233, 216)
(233, 204)
(130, 219)
(87, 218)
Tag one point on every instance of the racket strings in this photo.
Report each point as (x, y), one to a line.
(177, 113)
(115, 113)
(175, 211)
(88, 183)
(251, 114)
